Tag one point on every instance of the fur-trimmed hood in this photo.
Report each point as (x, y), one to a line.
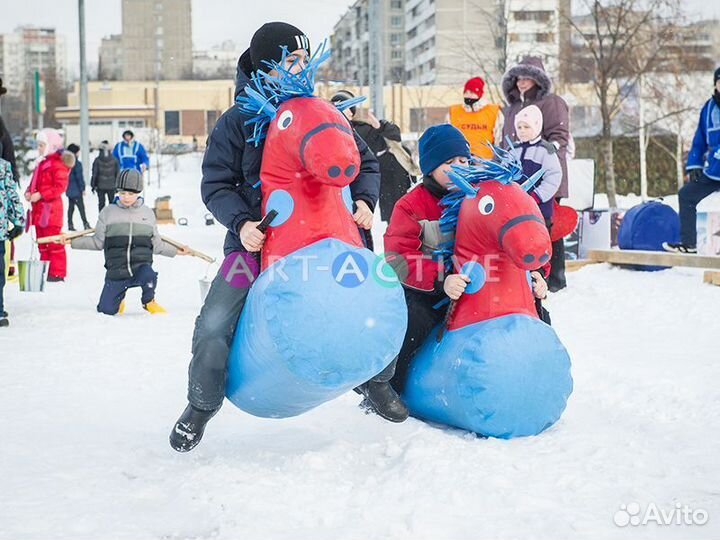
(530, 67)
(68, 158)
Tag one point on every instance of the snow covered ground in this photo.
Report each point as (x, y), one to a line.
(88, 401)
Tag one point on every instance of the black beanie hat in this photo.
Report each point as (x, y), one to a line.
(72, 147)
(716, 77)
(268, 41)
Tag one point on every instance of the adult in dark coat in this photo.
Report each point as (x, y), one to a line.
(528, 84)
(231, 191)
(395, 179)
(76, 190)
(105, 169)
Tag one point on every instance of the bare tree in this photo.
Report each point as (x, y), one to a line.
(672, 103)
(622, 40)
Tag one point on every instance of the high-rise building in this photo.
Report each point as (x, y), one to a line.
(538, 28)
(156, 39)
(448, 41)
(110, 66)
(350, 43)
(29, 49)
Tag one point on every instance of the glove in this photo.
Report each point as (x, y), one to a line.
(15, 232)
(695, 175)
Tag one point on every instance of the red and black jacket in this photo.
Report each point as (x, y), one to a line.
(414, 234)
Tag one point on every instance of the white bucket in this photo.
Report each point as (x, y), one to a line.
(32, 274)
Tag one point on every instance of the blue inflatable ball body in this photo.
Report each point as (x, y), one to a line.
(505, 377)
(315, 325)
(645, 227)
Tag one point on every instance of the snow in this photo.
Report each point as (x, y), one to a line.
(88, 402)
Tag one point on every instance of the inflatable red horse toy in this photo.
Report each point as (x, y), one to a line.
(498, 370)
(320, 319)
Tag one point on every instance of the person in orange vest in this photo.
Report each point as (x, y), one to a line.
(480, 121)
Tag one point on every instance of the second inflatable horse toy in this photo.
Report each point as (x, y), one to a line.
(497, 370)
(320, 319)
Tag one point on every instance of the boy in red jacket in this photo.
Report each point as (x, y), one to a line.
(414, 234)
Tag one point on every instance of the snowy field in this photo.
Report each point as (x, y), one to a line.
(88, 401)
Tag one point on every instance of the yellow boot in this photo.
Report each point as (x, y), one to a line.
(155, 308)
(121, 309)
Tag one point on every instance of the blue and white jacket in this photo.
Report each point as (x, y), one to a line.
(705, 151)
(535, 155)
(131, 156)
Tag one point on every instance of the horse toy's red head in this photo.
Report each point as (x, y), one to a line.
(311, 137)
(500, 236)
(502, 218)
(309, 156)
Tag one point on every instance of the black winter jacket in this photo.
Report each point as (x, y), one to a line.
(231, 169)
(395, 179)
(105, 169)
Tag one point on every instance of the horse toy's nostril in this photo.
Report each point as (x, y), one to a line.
(529, 258)
(334, 171)
(544, 258)
(350, 171)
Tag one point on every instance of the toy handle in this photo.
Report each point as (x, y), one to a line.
(266, 221)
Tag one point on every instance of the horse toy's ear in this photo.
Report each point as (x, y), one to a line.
(265, 93)
(528, 184)
(457, 175)
(344, 105)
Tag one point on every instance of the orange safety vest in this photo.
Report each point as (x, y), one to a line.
(477, 127)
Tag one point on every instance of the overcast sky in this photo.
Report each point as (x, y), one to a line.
(213, 20)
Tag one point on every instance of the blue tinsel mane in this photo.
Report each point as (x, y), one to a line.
(504, 168)
(265, 93)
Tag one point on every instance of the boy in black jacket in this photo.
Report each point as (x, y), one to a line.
(230, 190)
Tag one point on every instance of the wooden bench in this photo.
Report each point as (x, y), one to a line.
(653, 258)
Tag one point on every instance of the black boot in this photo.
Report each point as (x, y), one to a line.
(381, 398)
(4, 322)
(189, 428)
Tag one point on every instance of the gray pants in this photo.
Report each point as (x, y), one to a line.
(214, 331)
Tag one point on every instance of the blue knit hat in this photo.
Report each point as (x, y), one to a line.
(439, 144)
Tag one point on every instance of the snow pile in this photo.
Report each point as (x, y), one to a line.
(88, 402)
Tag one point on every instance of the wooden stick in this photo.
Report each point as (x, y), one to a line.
(193, 252)
(70, 235)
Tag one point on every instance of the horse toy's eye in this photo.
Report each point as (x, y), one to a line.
(486, 205)
(285, 120)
